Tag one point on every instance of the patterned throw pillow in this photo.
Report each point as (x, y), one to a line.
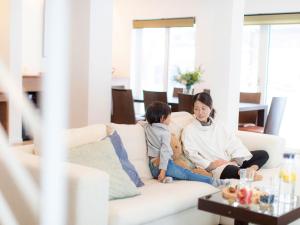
(101, 155)
(123, 157)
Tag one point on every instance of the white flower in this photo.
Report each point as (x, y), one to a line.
(184, 82)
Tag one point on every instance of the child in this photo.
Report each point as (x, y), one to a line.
(159, 148)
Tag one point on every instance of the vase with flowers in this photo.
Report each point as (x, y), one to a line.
(189, 78)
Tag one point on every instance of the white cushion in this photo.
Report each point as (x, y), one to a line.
(83, 135)
(178, 121)
(157, 200)
(274, 145)
(133, 138)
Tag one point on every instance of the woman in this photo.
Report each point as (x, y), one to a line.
(210, 146)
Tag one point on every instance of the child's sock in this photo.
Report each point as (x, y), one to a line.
(167, 180)
(220, 182)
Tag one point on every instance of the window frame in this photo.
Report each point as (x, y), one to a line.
(136, 81)
(266, 21)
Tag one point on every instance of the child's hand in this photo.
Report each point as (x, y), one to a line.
(161, 175)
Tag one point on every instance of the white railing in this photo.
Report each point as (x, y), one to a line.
(20, 176)
(55, 111)
(49, 204)
(6, 215)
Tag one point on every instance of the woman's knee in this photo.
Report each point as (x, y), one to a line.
(230, 171)
(264, 155)
(261, 154)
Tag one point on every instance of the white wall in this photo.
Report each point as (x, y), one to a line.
(4, 31)
(271, 6)
(218, 41)
(100, 65)
(11, 56)
(32, 22)
(79, 63)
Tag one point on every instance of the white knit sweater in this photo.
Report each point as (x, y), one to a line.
(204, 144)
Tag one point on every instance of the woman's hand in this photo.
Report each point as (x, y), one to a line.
(215, 164)
(161, 175)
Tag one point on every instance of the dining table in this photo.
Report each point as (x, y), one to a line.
(243, 107)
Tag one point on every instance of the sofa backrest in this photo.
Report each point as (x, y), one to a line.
(133, 138)
(274, 145)
(80, 136)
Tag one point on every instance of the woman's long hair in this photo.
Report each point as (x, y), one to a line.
(206, 99)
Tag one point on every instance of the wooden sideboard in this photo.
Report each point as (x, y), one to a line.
(31, 85)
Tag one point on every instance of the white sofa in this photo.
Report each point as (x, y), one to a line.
(174, 203)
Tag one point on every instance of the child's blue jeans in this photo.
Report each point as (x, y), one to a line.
(179, 173)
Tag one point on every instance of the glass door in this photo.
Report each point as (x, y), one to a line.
(284, 77)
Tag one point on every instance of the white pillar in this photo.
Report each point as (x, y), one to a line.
(55, 109)
(219, 50)
(11, 56)
(91, 34)
(100, 72)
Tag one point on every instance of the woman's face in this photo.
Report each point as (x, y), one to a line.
(201, 111)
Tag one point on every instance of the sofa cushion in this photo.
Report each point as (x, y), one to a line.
(101, 155)
(79, 136)
(157, 200)
(84, 135)
(178, 121)
(123, 157)
(133, 138)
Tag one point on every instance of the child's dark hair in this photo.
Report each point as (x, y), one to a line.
(206, 99)
(157, 110)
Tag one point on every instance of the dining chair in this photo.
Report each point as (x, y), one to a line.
(176, 91)
(185, 103)
(249, 117)
(152, 96)
(122, 107)
(274, 118)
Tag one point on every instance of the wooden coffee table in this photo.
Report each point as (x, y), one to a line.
(277, 214)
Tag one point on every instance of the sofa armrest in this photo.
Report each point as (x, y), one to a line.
(274, 145)
(87, 190)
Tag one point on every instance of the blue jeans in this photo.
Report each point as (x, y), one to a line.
(179, 173)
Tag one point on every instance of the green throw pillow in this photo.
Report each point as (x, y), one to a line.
(101, 155)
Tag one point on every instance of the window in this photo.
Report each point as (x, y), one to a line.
(181, 54)
(158, 53)
(250, 58)
(271, 52)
